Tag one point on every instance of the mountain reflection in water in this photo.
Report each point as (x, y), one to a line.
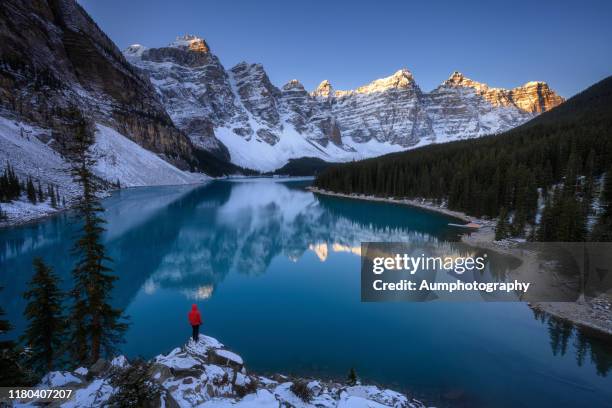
(276, 272)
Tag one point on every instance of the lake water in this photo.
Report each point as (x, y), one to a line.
(275, 271)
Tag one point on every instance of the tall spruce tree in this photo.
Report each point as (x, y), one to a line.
(45, 332)
(52, 196)
(31, 191)
(502, 227)
(11, 373)
(96, 327)
(40, 196)
(563, 218)
(352, 377)
(10, 189)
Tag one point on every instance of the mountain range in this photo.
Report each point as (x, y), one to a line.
(241, 115)
(178, 104)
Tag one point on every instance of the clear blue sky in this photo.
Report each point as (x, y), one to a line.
(503, 43)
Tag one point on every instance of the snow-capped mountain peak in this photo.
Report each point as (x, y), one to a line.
(294, 84)
(191, 43)
(324, 89)
(457, 79)
(400, 79)
(134, 50)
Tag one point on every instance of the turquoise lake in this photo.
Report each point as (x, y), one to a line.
(275, 271)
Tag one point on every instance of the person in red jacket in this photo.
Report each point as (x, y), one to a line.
(195, 320)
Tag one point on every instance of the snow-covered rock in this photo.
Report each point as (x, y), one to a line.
(60, 379)
(240, 114)
(81, 371)
(120, 362)
(188, 377)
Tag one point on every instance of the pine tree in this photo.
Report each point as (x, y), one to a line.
(11, 373)
(543, 231)
(589, 184)
(96, 327)
(52, 195)
(352, 377)
(40, 195)
(44, 334)
(31, 191)
(501, 229)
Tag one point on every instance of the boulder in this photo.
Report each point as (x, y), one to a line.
(160, 372)
(99, 368)
(226, 358)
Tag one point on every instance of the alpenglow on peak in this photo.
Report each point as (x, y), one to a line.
(190, 42)
(324, 89)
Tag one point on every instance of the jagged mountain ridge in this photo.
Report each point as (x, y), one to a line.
(239, 114)
(54, 58)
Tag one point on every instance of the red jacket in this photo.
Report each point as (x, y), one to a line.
(194, 316)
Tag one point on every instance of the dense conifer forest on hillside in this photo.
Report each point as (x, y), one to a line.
(564, 152)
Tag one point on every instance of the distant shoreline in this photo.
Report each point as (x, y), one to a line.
(583, 314)
(409, 202)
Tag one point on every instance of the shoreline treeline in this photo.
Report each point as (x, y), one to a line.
(557, 156)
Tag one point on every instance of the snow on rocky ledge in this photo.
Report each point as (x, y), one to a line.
(206, 374)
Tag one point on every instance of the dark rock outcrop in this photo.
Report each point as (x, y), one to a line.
(54, 58)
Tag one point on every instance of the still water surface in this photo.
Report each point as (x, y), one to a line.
(275, 271)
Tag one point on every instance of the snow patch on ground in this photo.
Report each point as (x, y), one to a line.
(119, 362)
(59, 379)
(230, 356)
(94, 395)
(23, 211)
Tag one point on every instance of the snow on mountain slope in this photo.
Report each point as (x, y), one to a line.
(29, 150)
(240, 112)
(257, 154)
(118, 158)
(26, 148)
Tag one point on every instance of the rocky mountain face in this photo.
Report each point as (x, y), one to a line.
(239, 113)
(181, 103)
(54, 59)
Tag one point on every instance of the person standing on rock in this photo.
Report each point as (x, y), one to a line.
(195, 320)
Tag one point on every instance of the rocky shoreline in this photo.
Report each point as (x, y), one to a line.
(206, 374)
(594, 315)
(422, 204)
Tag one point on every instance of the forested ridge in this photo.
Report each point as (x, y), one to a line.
(564, 152)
